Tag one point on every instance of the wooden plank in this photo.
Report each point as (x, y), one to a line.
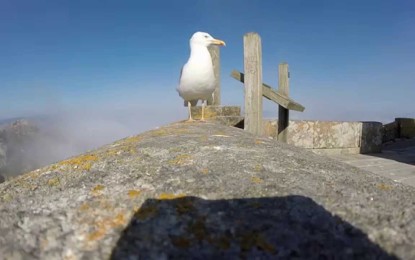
(253, 83)
(283, 113)
(271, 94)
(215, 54)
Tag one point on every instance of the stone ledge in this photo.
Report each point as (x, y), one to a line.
(215, 111)
(357, 137)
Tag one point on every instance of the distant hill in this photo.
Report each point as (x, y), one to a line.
(6, 121)
(16, 141)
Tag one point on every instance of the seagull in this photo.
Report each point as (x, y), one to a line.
(197, 79)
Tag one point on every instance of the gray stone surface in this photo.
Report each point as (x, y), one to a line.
(331, 137)
(406, 127)
(371, 137)
(396, 161)
(214, 111)
(203, 191)
(390, 132)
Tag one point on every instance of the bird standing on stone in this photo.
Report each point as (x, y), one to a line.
(197, 78)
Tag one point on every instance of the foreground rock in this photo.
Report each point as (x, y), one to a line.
(202, 190)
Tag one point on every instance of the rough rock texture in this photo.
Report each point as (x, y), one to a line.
(201, 190)
(226, 115)
(331, 137)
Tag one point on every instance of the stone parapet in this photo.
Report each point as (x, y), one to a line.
(331, 136)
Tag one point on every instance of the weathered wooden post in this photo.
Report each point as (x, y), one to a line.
(283, 113)
(215, 54)
(253, 83)
(255, 89)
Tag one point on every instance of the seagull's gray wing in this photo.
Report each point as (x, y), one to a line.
(181, 72)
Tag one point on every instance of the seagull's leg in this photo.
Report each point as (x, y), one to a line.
(189, 106)
(203, 110)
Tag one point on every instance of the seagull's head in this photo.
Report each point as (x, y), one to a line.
(205, 39)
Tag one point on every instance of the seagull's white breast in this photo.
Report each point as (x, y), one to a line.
(197, 79)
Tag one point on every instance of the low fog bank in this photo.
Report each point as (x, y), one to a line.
(38, 141)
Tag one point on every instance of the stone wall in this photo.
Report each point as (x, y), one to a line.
(406, 127)
(325, 137)
(400, 128)
(331, 137)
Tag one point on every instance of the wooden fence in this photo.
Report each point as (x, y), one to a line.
(255, 89)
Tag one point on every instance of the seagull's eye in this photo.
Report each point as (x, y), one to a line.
(206, 36)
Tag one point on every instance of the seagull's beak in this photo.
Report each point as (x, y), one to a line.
(218, 42)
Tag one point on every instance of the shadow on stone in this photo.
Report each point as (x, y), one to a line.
(402, 150)
(256, 228)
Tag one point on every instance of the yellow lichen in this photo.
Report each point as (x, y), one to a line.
(96, 235)
(84, 207)
(383, 186)
(168, 131)
(53, 181)
(119, 220)
(257, 141)
(7, 197)
(82, 162)
(54, 167)
(102, 227)
(203, 139)
(146, 212)
(158, 132)
(30, 175)
(43, 243)
(133, 139)
(256, 179)
(133, 193)
(174, 149)
(105, 204)
(204, 171)
(97, 189)
(220, 133)
(181, 159)
(112, 152)
(170, 196)
(259, 167)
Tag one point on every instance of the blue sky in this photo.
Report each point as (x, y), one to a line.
(349, 60)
